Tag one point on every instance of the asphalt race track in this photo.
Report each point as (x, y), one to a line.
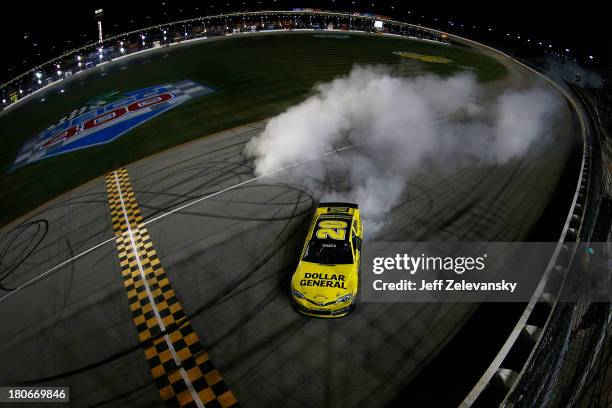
(228, 243)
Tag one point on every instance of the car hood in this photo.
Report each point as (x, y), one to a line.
(324, 283)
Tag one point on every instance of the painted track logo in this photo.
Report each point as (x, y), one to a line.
(106, 118)
(424, 58)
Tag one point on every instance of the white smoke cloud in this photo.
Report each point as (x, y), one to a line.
(396, 126)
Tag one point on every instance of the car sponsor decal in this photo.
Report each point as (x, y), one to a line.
(324, 279)
(337, 209)
(106, 118)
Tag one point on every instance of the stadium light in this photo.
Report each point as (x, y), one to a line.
(98, 14)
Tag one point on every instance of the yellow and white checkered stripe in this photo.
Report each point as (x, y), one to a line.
(179, 365)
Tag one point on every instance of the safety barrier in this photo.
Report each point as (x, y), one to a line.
(569, 365)
(507, 368)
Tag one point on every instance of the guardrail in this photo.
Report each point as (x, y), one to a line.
(506, 369)
(569, 365)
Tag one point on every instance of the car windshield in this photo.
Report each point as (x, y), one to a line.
(328, 252)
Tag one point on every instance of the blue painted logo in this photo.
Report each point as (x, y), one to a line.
(107, 118)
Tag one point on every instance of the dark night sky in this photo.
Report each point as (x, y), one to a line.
(34, 32)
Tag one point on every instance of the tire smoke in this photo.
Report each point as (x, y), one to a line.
(394, 127)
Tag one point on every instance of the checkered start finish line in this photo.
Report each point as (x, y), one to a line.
(180, 367)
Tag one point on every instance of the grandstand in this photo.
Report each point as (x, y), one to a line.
(115, 47)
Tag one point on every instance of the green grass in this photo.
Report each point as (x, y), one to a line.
(255, 77)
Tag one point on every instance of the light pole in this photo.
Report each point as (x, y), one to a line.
(98, 14)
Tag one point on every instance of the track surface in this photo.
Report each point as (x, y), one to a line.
(229, 258)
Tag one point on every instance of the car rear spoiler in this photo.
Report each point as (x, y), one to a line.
(349, 205)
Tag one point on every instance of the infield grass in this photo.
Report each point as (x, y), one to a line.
(255, 77)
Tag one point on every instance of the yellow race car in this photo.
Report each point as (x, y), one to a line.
(326, 279)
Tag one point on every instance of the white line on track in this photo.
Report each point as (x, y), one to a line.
(206, 197)
(160, 322)
(180, 208)
(55, 268)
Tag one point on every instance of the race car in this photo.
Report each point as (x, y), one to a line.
(325, 281)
